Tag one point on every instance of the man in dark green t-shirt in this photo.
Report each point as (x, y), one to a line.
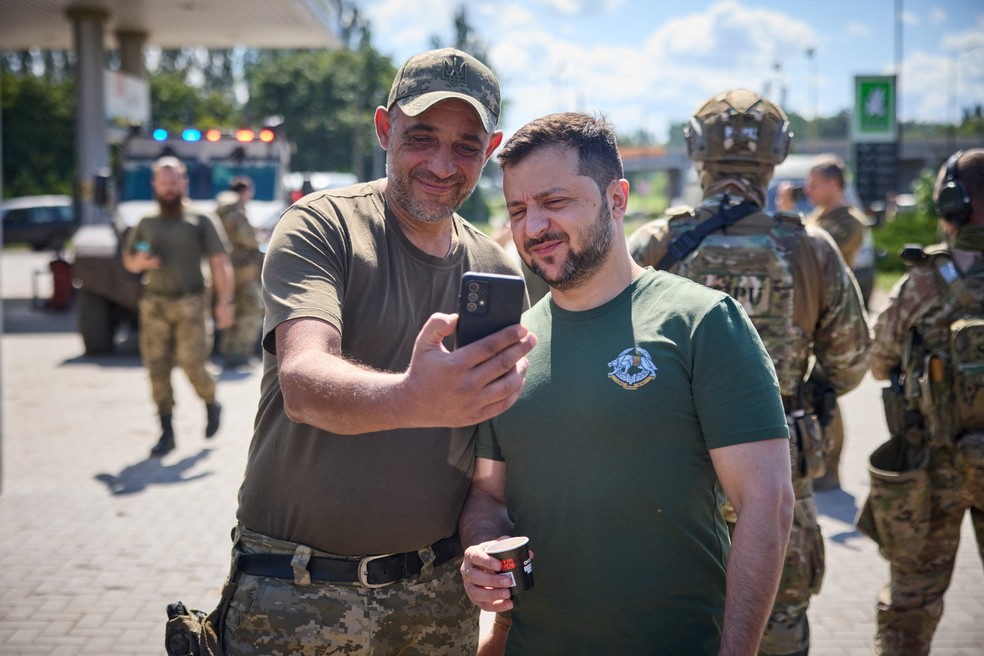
(647, 397)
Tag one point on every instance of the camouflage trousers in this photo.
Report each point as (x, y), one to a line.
(241, 339)
(426, 614)
(833, 437)
(910, 605)
(788, 629)
(175, 330)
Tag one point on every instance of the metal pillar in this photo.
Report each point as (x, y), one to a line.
(131, 53)
(92, 153)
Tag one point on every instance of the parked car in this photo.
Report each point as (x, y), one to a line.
(41, 221)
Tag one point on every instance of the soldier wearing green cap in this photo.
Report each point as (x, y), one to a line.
(363, 447)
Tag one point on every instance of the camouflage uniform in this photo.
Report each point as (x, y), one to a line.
(934, 463)
(269, 615)
(175, 326)
(239, 342)
(846, 225)
(175, 330)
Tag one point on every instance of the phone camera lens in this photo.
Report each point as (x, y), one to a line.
(472, 307)
(473, 287)
(472, 297)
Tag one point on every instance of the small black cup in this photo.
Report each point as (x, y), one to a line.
(514, 554)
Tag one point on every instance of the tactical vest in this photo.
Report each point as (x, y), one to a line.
(943, 359)
(756, 271)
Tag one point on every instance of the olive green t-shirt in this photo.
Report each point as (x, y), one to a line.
(180, 241)
(608, 468)
(340, 256)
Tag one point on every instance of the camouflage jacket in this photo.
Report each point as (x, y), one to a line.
(828, 315)
(242, 236)
(846, 225)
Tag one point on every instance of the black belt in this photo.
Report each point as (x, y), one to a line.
(371, 571)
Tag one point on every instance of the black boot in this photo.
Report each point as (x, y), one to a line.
(166, 444)
(212, 412)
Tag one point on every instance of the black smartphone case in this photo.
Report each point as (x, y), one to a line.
(487, 303)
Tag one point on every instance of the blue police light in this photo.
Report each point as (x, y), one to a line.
(191, 135)
(160, 134)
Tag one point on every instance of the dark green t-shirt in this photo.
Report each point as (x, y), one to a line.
(341, 257)
(608, 470)
(180, 241)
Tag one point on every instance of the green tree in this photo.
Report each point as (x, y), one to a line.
(175, 104)
(327, 100)
(916, 226)
(38, 135)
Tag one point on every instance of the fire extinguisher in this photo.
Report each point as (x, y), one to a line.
(61, 277)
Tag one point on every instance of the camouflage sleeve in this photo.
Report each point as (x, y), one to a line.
(842, 340)
(241, 234)
(910, 297)
(648, 244)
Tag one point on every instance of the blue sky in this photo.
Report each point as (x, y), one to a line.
(647, 63)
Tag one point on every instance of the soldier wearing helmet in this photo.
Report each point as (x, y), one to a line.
(796, 289)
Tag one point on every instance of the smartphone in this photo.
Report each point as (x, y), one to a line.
(487, 303)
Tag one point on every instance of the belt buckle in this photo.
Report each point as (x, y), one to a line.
(364, 572)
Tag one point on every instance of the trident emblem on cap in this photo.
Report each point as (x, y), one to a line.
(454, 71)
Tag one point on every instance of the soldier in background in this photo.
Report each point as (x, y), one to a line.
(797, 291)
(846, 224)
(929, 342)
(167, 250)
(239, 342)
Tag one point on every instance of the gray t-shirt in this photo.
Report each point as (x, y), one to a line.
(341, 257)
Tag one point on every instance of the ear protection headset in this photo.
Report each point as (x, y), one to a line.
(952, 201)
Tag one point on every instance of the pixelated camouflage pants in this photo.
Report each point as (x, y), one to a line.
(243, 337)
(788, 629)
(175, 330)
(427, 614)
(833, 437)
(910, 605)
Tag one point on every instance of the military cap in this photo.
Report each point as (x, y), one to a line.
(430, 77)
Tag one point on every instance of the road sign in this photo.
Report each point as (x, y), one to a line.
(874, 117)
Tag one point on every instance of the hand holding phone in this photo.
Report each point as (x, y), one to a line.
(487, 303)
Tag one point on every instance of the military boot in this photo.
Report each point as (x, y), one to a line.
(166, 444)
(212, 412)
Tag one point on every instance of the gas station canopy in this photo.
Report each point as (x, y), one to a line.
(46, 24)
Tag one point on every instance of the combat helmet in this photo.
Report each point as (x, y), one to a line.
(738, 133)
(738, 126)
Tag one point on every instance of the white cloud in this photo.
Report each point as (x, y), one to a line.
(937, 16)
(858, 30)
(925, 88)
(547, 61)
(653, 83)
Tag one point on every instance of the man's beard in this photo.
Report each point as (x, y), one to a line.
(399, 190)
(170, 205)
(579, 265)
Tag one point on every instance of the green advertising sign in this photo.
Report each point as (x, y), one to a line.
(874, 109)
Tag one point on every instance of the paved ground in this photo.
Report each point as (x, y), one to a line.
(95, 539)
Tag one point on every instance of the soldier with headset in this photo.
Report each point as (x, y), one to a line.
(796, 289)
(929, 342)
